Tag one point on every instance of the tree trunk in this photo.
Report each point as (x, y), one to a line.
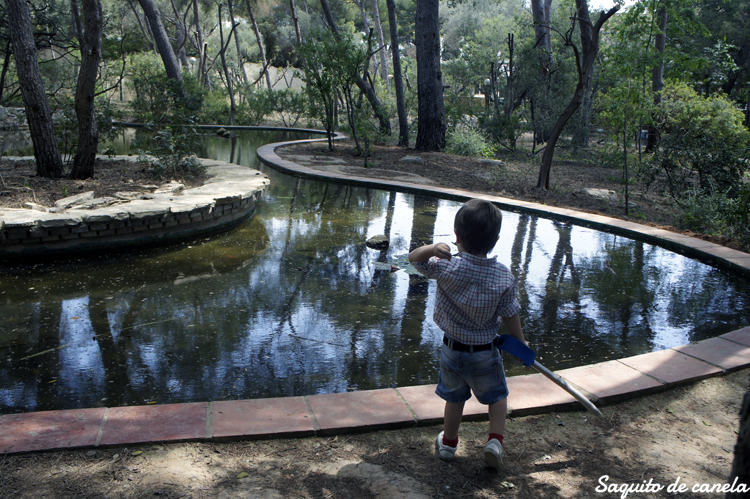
(431, 115)
(146, 32)
(181, 35)
(381, 42)
(202, 75)
(4, 73)
(369, 93)
(657, 74)
(262, 50)
(166, 52)
(38, 114)
(296, 23)
(403, 122)
(237, 42)
(76, 13)
(232, 104)
(582, 138)
(91, 50)
(540, 10)
(590, 41)
(541, 15)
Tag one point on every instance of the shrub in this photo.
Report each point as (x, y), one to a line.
(169, 151)
(466, 141)
(717, 214)
(215, 109)
(169, 109)
(703, 144)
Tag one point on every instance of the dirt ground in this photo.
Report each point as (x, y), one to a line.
(685, 436)
(20, 185)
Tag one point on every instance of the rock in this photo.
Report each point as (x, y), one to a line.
(73, 200)
(170, 188)
(93, 204)
(412, 159)
(36, 207)
(492, 162)
(380, 242)
(605, 194)
(128, 196)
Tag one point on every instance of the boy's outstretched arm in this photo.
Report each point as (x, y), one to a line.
(424, 253)
(513, 324)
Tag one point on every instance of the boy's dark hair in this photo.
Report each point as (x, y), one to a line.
(477, 224)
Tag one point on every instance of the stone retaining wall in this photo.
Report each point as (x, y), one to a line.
(226, 199)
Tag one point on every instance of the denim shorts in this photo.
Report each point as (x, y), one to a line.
(464, 372)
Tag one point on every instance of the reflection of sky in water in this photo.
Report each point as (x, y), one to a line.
(293, 304)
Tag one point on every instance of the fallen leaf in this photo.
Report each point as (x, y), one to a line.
(244, 474)
(708, 423)
(136, 453)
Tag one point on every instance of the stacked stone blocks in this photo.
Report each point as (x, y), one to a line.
(225, 200)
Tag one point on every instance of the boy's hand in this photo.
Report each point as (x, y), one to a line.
(424, 253)
(441, 250)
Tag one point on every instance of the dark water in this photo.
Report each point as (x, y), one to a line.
(293, 303)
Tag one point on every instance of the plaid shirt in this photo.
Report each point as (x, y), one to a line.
(473, 294)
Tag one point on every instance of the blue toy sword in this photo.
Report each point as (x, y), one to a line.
(527, 356)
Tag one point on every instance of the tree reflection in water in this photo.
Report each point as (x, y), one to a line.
(293, 303)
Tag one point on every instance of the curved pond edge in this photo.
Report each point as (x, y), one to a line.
(705, 251)
(226, 199)
(389, 408)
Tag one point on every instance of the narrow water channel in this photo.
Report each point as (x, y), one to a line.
(293, 302)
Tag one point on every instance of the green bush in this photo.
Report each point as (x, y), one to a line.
(215, 109)
(290, 106)
(466, 141)
(158, 99)
(169, 152)
(717, 215)
(703, 145)
(169, 110)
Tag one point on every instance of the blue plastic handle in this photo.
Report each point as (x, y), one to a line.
(513, 346)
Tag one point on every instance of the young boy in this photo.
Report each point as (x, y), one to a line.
(473, 293)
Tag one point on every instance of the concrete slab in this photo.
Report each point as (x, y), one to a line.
(531, 393)
(36, 431)
(267, 417)
(422, 400)
(723, 353)
(155, 423)
(366, 410)
(611, 381)
(741, 336)
(430, 408)
(671, 366)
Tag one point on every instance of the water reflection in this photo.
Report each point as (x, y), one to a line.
(293, 303)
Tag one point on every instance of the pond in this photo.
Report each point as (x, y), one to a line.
(292, 302)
